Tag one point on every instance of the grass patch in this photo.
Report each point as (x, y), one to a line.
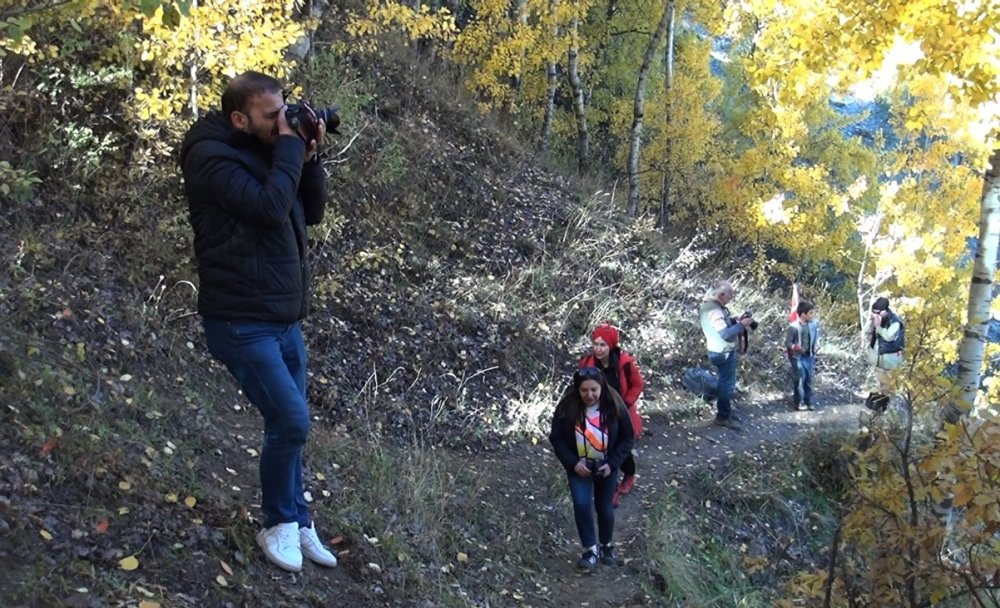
(735, 536)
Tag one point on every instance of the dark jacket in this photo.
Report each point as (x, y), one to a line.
(894, 345)
(562, 436)
(249, 205)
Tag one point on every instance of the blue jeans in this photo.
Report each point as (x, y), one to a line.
(802, 374)
(725, 363)
(268, 361)
(590, 494)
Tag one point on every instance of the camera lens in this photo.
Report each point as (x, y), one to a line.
(329, 115)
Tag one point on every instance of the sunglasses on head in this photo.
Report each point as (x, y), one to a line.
(590, 373)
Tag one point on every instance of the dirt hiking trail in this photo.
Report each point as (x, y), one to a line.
(670, 450)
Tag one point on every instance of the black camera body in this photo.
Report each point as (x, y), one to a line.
(595, 467)
(749, 315)
(298, 117)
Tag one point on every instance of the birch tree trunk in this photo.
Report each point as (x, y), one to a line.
(550, 107)
(635, 133)
(666, 181)
(579, 109)
(193, 73)
(970, 351)
(552, 72)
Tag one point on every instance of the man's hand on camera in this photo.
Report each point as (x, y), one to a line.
(312, 146)
(283, 128)
(581, 468)
(746, 321)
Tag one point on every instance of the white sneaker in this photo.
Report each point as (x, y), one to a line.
(281, 546)
(313, 548)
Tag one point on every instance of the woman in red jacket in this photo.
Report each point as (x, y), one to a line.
(622, 373)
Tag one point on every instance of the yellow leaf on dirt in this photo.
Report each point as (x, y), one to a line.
(149, 604)
(963, 494)
(226, 568)
(336, 540)
(462, 558)
(320, 476)
(69, 390)
(124, 485)
(191, 501)
(129, 563)
(123, 510)
(221, 580)
(170, 497)
(45, 534)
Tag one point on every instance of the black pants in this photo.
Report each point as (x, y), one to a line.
(628, 466)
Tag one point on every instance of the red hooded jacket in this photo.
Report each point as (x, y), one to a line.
(629, 379)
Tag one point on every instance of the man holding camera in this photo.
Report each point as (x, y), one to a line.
(722, 338)
(253, 184)
(885, 339)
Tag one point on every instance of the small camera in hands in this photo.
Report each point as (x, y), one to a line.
(749, 315)
(595, 468)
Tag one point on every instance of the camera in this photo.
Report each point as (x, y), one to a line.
(749, 315)
(298, 117)
(595, 468)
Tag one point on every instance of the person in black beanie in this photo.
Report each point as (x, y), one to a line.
(884, 340)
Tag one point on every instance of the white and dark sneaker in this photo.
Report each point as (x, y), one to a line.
(313, 548)
(589, 560)
(281, 546)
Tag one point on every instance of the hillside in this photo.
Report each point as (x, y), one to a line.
(456, 282)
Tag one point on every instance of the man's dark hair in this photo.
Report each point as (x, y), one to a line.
(804, 307)
(240, 89)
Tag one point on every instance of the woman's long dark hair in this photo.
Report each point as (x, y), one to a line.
(572, 407)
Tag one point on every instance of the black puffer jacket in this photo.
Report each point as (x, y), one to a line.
(249, 205)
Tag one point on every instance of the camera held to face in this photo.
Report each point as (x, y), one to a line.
(749, 315)
(301, 119)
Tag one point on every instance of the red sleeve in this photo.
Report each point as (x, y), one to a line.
(633, 380)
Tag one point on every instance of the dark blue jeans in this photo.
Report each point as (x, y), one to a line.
(590, 494)
(802, 375)
(725, 363)
(268, 361)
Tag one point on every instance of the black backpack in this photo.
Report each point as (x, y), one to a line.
(701, 382)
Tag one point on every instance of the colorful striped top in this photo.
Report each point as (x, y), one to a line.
(591, 437)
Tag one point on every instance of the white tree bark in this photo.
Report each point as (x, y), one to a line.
(579, 106)
(970, 351)
(635, 133)
(666, 179)
(550, 107)
(553, 86)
